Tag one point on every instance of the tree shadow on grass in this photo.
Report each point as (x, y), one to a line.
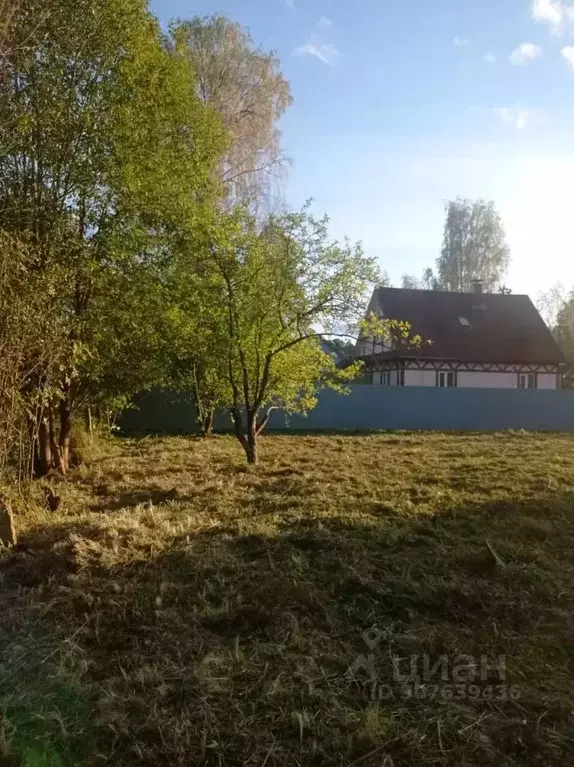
(273, 647)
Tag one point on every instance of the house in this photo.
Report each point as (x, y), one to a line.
(479, 340)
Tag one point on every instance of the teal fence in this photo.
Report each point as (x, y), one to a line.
(372, 407)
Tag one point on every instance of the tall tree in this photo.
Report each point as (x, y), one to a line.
(245, 85)
(474, 246)
(411, 282)
(32, 332)
(564, 327)
(427, 282)
(106, 152)
(563, 332)
(551, 302)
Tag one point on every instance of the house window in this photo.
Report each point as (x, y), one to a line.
(401, 377)
(446, 378)
(527, 381)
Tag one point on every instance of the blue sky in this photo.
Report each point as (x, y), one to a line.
(401, 105)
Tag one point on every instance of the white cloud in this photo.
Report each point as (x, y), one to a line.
(325, 23)
(568, 54)
(547, 11)
(525, 52)
(558, 13)
(490, 58)
(460, 42)
(518, 117)
(325, 52)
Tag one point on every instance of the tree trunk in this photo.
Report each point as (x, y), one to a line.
(207, 424)
(43, 460)
(65, 433)
(7, 529)
(53, 442)
(251, 442)
(247, 441)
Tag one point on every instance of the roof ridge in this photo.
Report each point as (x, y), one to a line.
(451, 292)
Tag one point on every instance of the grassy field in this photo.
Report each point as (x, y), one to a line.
(183, 609)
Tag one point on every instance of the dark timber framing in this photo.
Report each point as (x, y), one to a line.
(376, 365)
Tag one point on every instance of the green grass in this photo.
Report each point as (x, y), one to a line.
(183, 609)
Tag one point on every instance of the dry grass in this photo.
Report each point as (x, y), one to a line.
(182, 609)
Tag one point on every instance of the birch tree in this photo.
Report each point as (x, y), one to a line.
(245, 86)
(474, 246)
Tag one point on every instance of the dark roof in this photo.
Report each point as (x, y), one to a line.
(503, 328)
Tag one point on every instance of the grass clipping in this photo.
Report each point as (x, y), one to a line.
(360, 600)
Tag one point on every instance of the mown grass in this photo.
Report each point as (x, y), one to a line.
(181, 608)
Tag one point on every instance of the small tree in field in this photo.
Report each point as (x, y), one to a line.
(275, 293)
(196, 341)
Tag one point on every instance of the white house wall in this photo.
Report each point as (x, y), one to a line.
(547, 381)
(479, 380)
(420, 377)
